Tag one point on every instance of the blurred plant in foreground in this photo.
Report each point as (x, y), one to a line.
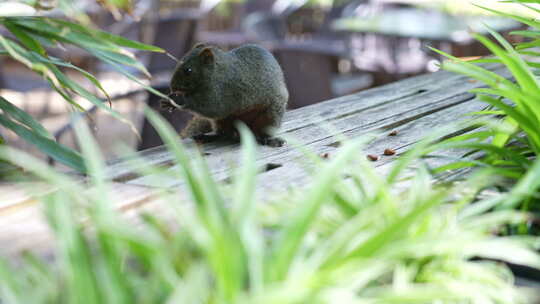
(353, 240)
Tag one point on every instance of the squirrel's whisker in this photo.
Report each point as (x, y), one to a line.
(175, 104)
(171, 56)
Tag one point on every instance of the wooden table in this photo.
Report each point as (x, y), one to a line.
(414, 107)
(393, 43)
(425, 24)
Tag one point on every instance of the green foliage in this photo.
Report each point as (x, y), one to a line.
(511, 143)
(466, 7)
(30, 130)
(34, 36)
(353, 240)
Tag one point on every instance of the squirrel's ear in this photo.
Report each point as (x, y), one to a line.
(207, 55)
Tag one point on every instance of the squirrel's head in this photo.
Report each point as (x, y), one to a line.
(193, 71)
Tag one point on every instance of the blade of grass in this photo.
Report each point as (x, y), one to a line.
(290, 238)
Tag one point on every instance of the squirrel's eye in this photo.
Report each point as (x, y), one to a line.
(188, 71)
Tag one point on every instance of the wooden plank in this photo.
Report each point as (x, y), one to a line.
(14, 195)
(380, 107)
(416, 115)
(22, 222)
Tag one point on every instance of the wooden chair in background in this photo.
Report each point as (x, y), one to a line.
(174, 33)
(308, 74)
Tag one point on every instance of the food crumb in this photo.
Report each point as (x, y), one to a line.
(389, 152)
(373, 157)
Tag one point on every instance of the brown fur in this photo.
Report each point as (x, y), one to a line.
(196, 126)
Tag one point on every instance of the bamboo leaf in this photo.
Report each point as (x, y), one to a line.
(512, 61)
(118, 40)
(86, 74)
(26, 39)
(121, 59)
(529, 21)
(467, 68)
(528, 33)
(55, 150)
(22, 117)
(524, 116)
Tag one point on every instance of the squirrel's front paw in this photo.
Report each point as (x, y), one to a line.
(271, 141)
(166, 105)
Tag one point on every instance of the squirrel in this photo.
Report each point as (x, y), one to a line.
(245, 84)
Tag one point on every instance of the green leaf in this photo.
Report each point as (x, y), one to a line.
(74, 251)
(55, 150)
(528, 45)
(86, 74)
(118, 40)
(26, 39)
(20, 54)
(393, 231)
(530, 53)
(529, 21)
(467, 68)
(119, 58)
(119, 68)
(292, 236)
(75, 87)
(67, 33)
(525, 117)
(245, 180)
(225, 250)
(530, 34)
(526, 187)
(22, 117)
(512, 60)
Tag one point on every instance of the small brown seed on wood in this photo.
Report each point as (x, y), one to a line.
(393, 133)
(389, 152)
(373, 157)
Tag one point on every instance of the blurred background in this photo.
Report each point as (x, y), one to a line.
(327, 49)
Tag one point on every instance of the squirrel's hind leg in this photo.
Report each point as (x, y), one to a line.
(223, 130)
(271, 141)
(197, 126)
(262, 121)
(226, 129)
(264, 126)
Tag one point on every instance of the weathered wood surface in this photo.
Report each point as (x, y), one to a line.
(414, 107)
